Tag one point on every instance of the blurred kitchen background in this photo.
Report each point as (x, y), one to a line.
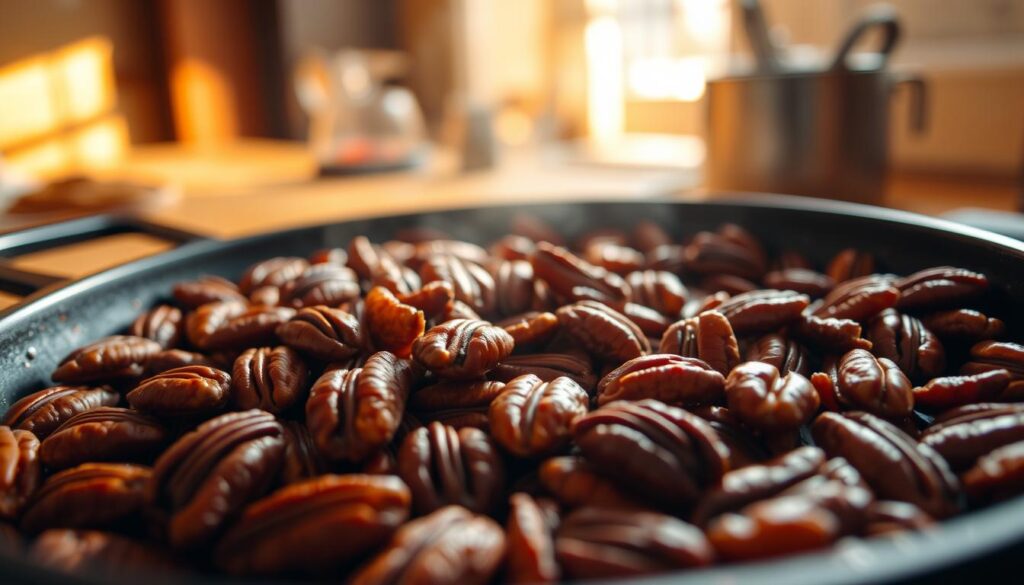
(234, 117)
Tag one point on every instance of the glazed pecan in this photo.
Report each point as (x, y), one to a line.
(964, 325)
(952, 391)
(782, 352)
(964, 434)
(745, 448)
(998, 475)
(392, 325)
(353, 413)
(109, 359)
(314, 526)
(667, 257)
(19, 470)
(658, 289)
(613, 257)
(102, 555)
(456, 403)
(859, 380)
(530, 539)
(302, 460)
(888, 517)
(103, 434)
(163, 324)
(766, 401)
(532, 417)
(169, 359)
(458, 310)
(513, 247)
(204, 479)
(730, 250)
(547, 367)
(337, 256)
(422, 551)
(321, 284)
(995, 355)
(91, 495)
(43, 411)
(574, 483)
(272, 379)
(894, 465)
(603, 331)
(669, 378)
(438, 243)
(323, 333)
(597, 543)
(939, 287)
(462, 348)
(219, 326)
(207, 289)
(434, 299)
(849, 264)
(811, 283)
(375, 265)
(445, 466)
(663, 453)
(762, 311)
(828, 334)
(572, 278)
(275, 272)
(708, 337)
(859, 299)
(187, 391)
(531, 329)
(471, 282)
(908, 343)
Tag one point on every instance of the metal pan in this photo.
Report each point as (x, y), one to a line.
(37, 333)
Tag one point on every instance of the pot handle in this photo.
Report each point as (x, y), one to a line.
(882, 17)
(917, 90)
(22, 282)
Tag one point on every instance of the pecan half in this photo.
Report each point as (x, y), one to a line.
(908, 343)
(808, 282)
(963, 435)
(862, 381)
(849, 264)
(302, 460)
(19, 470)
(532, 417)
(163, 324)
(669, 378)
(574, 483)
(207, 289)
(828, 334)
(708, 337)
(860, 299)
(547, 367)
(462, 348)
(275, 272)
(572, 278)
(782, 352)
(939, 287)
(321, 284)
(763, 399)
(603, 331)
(102, 555)
(43, 411)
(530, 538)
(272, 379)
(995, 355)
(186, 391)
(103, 434)
(109, 359)
(92, 495)
(323, 333)
(964, 325)
(392, 325)
(614, 257)
(457, 403)
(218, 326)
(999, 475)
(471, 282)
(531, 329)
(762, 311)
(658, 289)
(952, 391)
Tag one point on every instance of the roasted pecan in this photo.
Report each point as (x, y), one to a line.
(92, 495)
(207, 289)
(763, 399)
(963, 435)
(422, 551)
(964, 325)
(849, 264)
(530, 539)
(708, 337)
(939, 287)
(905, 340)
(314, 526)
(603, 331)
(323, 333)
(275, 272)
(515, 287)
(532, 417)
(43, 411)
(462, 348)
(574, 483)
(270, 379)
(103, 434)
(614, 257)
(353, 413)
(745, 448)
(530, 329)
(888, 517)
(513, 247)
(371, 262)
(782, 352)
(860, 299)
(434, 299)
(169, 359)
(572, 278)
(109, 359)
(894, 465)
(163, 324)
(547, 367)
(802, 280)
(267, 296)
(424, 248)
(302, 460)
(647, 235)
(762, 311)
(998, 475)
(669, 378)
(471, 282)
(665, 454)
(741, 487)
(952, 391)
(442, 465)
(392, 325)
(730, 250)
(321, 284)
(456, 403)
(337, 256)
(862, 381)
(186, 391)
(218, 326)
(204, 479)
(19, 470)
(828, 334)
(652, 323)
(657, 289)
(596, 543)
(667, 257)
(995, 355)
(101, 555)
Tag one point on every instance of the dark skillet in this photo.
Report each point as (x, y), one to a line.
(37, 333)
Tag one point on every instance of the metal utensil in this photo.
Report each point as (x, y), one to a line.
(756, 27)
(882, 17)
